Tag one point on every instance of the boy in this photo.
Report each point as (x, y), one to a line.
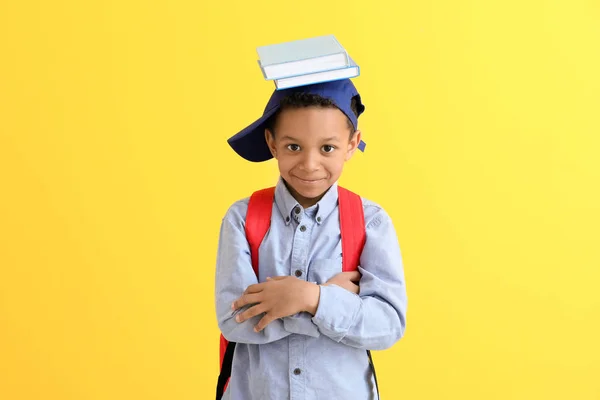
(301, 329)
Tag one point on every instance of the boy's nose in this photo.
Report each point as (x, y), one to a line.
(310, 161)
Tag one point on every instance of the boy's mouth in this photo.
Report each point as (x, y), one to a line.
(309, 181)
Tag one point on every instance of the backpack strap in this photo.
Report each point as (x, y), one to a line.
(352, 227)
(258, 221)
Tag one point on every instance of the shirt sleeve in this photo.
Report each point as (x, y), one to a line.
(375, 319)
(233, 275)
(301, 324)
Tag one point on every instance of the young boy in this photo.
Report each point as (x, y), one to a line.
(303, 327)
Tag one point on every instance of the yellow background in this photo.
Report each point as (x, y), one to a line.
(482, 126)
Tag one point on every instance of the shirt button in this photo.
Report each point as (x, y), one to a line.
(297, 210)
(297, 371)
(302, 228)
(287, 219)
(318, 219)
(298, 273)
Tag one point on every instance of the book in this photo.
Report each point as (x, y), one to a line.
(305, 56)
(351, 71)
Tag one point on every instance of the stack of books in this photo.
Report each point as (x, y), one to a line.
(306, 61)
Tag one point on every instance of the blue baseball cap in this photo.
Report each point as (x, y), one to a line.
(250, 142)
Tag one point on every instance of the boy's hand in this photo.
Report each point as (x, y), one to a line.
(346, 280)
(278, 297)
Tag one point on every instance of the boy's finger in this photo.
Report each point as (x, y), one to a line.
(251, 312)
(257, 287)
(264, 321)
(350, 275)
(354, 276)
(245, 300)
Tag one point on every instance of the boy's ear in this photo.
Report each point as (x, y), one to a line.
(271, 142)
(353, 144)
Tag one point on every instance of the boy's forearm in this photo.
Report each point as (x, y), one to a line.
(366, 322)
(286, 299)
(244, 332)
(298, 323)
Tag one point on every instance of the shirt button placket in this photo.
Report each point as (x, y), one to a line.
(300, 246)
(297, 377)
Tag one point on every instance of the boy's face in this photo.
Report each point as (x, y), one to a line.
(311, 145)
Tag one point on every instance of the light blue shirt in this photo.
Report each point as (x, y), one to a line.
(305, 357)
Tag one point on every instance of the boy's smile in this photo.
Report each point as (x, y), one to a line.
(311, 145)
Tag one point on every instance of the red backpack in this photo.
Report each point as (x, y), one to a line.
(258, 221)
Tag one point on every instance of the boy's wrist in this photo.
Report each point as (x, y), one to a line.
(313, 293)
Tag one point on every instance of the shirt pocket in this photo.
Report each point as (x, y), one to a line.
(321, 270)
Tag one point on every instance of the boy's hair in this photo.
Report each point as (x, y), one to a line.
(301, 100)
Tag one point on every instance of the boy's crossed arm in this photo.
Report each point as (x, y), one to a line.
(285, 296)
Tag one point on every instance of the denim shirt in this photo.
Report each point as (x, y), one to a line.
(306, 357)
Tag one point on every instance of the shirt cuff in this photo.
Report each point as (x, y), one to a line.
(337, 310)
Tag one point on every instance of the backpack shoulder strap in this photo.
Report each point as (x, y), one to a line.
(352, 227)
(353, 230)
(258, 221)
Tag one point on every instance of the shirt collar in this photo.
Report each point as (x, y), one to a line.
(286, 203)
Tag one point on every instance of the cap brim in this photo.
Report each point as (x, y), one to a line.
(250, 142)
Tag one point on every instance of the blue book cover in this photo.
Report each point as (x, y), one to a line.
(297, 50)
(321, 53)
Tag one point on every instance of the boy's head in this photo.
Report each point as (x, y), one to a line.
(311, 131)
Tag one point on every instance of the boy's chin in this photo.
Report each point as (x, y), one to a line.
(303, 191)
(310, 193)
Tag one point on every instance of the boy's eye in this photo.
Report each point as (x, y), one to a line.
(328, 148)
(293, 147)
